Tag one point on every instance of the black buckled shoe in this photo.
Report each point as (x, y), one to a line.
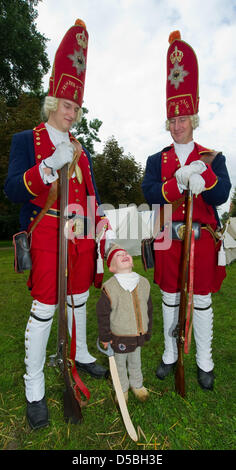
(205, 379)
(93, 369)
(164, 369)
(37, 414)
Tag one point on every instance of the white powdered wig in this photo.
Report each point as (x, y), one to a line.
(50, 104)
(194, 120)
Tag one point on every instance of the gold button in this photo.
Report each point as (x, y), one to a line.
(31, 218)
(37, 138)
(35, 212)
(38, 143)
(29, 183)
(77, 200)
(76, 190)
(164, 178)
(39, 156)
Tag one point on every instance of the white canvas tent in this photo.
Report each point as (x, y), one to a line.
(130, 227)
(230, 241)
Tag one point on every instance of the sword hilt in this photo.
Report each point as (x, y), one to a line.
(108, 352)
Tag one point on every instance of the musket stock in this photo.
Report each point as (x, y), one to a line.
(179, 332)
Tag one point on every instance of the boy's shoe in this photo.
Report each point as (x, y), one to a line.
(140, 393)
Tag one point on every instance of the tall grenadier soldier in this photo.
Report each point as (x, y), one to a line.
(36, 157)
(168, 174)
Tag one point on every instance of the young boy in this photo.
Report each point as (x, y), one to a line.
(124, 313)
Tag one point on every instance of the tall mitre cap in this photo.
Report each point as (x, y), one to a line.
(68, 74)
(182, 91)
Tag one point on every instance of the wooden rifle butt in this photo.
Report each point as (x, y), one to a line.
(72, 409)
(179, 377)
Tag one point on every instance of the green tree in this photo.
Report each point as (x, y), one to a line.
(232, 210)
(118, 177)
(13, 119)
(224, 218)
(23, 60)
(87, 132)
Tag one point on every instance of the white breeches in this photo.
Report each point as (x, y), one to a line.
(36, 338)
(202, 328)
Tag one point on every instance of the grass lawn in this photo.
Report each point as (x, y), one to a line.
(204, 420)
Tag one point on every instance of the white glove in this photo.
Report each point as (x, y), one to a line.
(181, 187)
(47, 178)
(198, 166)
(183, 174)
(196, 184)
(62, 155)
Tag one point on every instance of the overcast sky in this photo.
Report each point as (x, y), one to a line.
(126, 67)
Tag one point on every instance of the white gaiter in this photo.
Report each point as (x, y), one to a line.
(203, 331)
(36, 338)
(82, 354)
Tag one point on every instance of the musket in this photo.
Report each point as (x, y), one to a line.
(179, 331)
(72, 409)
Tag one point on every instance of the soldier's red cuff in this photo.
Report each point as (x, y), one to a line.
(170, 190)
(209, 177)
(33, 181)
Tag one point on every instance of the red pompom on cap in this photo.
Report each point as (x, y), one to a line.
(79, 22)
(173, 36)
